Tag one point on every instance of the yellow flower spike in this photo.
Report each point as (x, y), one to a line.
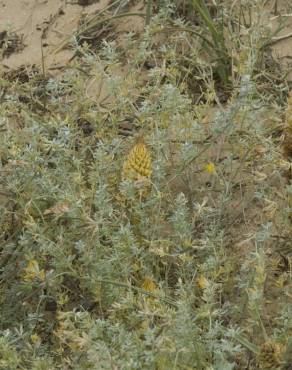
(149, 285)
(138, 167)
(32, 272)
(210, 168)
(270, 356)
(138, 163)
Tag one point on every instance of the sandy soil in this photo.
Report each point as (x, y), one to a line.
(280, 21)
(49, 22)
(46, 22)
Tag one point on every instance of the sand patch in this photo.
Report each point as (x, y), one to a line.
(42, 25)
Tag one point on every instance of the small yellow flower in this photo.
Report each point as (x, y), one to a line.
(63, 299)
(202, 283)
(149, 285)
(32, 272)
(36, 340)
(210, 168)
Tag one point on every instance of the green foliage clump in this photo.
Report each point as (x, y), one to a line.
(98, 274)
